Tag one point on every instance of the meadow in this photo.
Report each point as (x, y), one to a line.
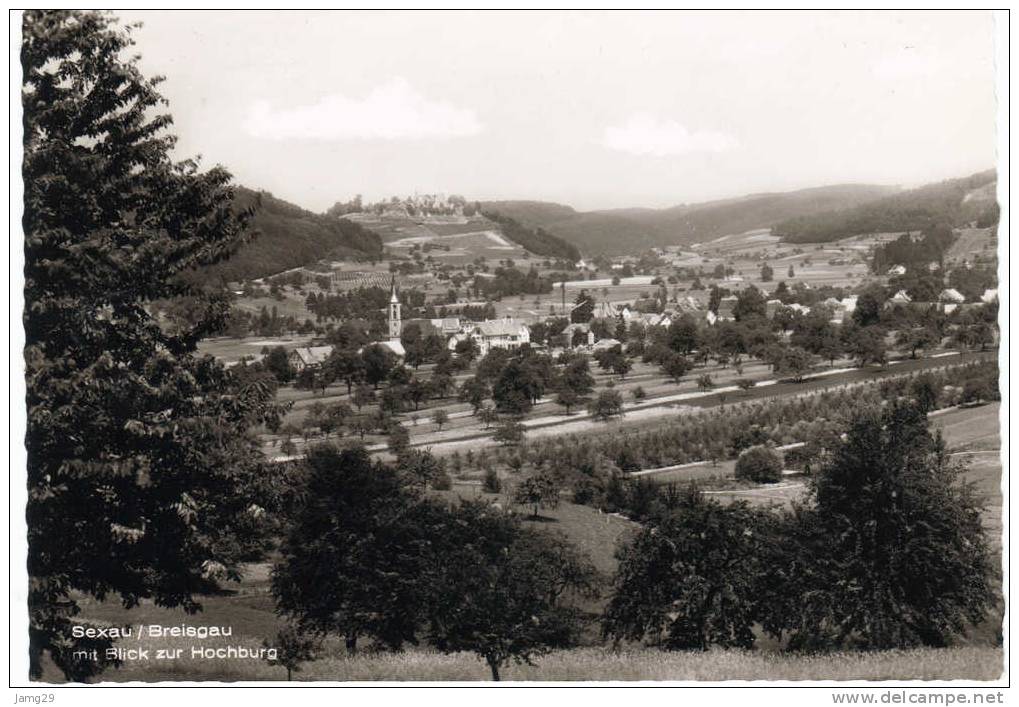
(606, 665)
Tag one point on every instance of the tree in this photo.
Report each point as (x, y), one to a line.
(398, 439)
(684, 335)
(705, 383)
(419, 467)
(440, 417)
(917, 338)
(278, 363)
(795, 361)
(760, 464)
(488, 416)
(577, 377)
(583, 309)
(363, 395)
(567, 398)
(540, 490)
(491, 483)
(688, 579)
(767, 273)
(869, 305)
(292, 649)
(675, 366)
(355, 558)
(142, 479)
(750, 303)
(347, 366)
(416, 391)
(378, 363)
(892, 543)
(440, 384)
(925, 392)
(607, 405)
(509, 433)
(361, 425)
(745, 384)
(474, 391)
(866, 345)
(495, 592)
(976, 390)
(791, 272)
(517, 387)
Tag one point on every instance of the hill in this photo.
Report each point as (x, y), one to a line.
(953, 203)
(619, 231)
(289, 236)
(537, 240)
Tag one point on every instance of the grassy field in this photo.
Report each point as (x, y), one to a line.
(602, 664)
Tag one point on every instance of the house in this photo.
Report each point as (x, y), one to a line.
(506, 333)
(309, 357)
(688, 304)
(653, 319)
(606, 344)
(951, 295)
(605, 310)
(897, 270)
(726, 307)
(900, 297)
(447, 326)
(772, 307)
(571, 332)
(989, 296)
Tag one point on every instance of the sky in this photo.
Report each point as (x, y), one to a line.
(591, 109)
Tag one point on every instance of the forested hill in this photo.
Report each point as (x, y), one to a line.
(619, 231)
(535, 239)
(949, 203)
(289, 236)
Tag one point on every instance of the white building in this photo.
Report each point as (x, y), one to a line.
(506, 333)
(951, 295)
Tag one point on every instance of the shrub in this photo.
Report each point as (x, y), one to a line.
(442, 481)
(491, 483)
(760, 464)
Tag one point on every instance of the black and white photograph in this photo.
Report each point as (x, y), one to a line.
(453, 348)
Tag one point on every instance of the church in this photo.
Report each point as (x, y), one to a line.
(395, 324)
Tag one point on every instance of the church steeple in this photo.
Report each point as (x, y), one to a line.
(395, 323)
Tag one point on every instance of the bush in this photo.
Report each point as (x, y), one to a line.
(760, 464)
(491, 483)
(442, 481)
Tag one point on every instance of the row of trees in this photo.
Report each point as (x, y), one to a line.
(587, 464)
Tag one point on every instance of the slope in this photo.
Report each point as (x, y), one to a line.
(289, 236)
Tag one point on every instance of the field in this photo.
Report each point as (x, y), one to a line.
(606, 665)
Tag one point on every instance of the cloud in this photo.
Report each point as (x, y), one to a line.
(391, 111)
(645, 134)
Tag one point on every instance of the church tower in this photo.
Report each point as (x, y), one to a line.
(395, 324)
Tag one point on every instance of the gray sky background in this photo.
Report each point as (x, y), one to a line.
(596, 110)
